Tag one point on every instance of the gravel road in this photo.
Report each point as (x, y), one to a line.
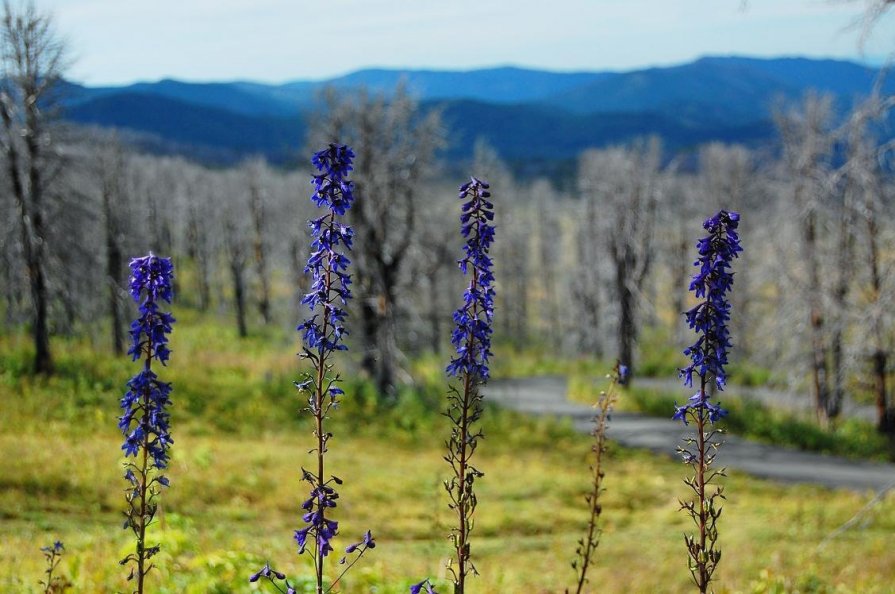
(546, 396)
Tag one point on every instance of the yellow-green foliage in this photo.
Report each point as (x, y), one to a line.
(235, 494)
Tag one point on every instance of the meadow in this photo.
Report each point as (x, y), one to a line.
(235, 494)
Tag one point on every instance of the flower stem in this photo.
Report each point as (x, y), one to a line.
(701, 559)
(144, 465)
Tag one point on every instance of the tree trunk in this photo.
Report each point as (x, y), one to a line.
(627, 329)
(880, 357)
(236, 260)
(434, 311)
(113, 269)
(840, 296)
(260, 250)
(196, 249)
(239, 297)
(819, 368)
(681, 272)
(31, 228)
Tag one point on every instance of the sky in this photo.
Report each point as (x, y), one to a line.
(122, 41)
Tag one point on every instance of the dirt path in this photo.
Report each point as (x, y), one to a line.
(546, 396)
(786, 400)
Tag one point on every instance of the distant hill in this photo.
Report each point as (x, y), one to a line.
(525, 114)
(724, 90)
(520, 132)
(508, 85)
(213, 131)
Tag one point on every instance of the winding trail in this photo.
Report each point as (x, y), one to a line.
(781, 399)
(546, 396)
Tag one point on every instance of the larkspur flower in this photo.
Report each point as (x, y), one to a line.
(714, 412)
(53, 555)
(709, 318)
(145, 422)
(418, 587)
(323, 334)
(273, 576)
(708, 358)
(708, 355)
(472, 335)
(472, 341)
(267, 572)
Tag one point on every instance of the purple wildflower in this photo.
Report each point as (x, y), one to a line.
(418, 588)
(53, 556)
(709, 318)
(145, 422)
(708, 356)
(472, 340)
(472, 336)
(323, 334)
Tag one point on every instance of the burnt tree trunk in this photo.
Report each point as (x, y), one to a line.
(819, 366)
(196, 250)
(236, 263)
(260, 251)
(114, 264)
(29, 204)
(880, 356)
(627, 323)
(844, 278)
(111, 193)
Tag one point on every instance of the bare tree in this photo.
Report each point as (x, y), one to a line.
(587, 281)
(395, 146)
(435, 258)
(11, 267)
(113, 175)
(866, 194)
(549, 252)
(33, 63)
(256, 173)
(874, 11)
(234, 240)
(625, 182)
(197, 238)
(807, 145)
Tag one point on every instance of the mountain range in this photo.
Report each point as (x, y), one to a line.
(528, 116)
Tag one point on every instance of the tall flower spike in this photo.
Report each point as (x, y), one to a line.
(587, 546)
(472, 340)
(472, 335)
(145, 422)
(708, 357)
(323, 334)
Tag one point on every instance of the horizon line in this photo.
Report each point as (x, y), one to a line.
(875, 62)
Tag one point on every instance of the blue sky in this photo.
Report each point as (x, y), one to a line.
(119, 41)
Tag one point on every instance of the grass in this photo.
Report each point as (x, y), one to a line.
(236, 491)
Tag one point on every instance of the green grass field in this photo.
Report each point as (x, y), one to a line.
(235, 495)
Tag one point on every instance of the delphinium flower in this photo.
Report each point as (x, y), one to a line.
(587, 546)
(708, 356)
(145, 422)
(323, 334)
(472, 340)
(423, 587)
(53, 555)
